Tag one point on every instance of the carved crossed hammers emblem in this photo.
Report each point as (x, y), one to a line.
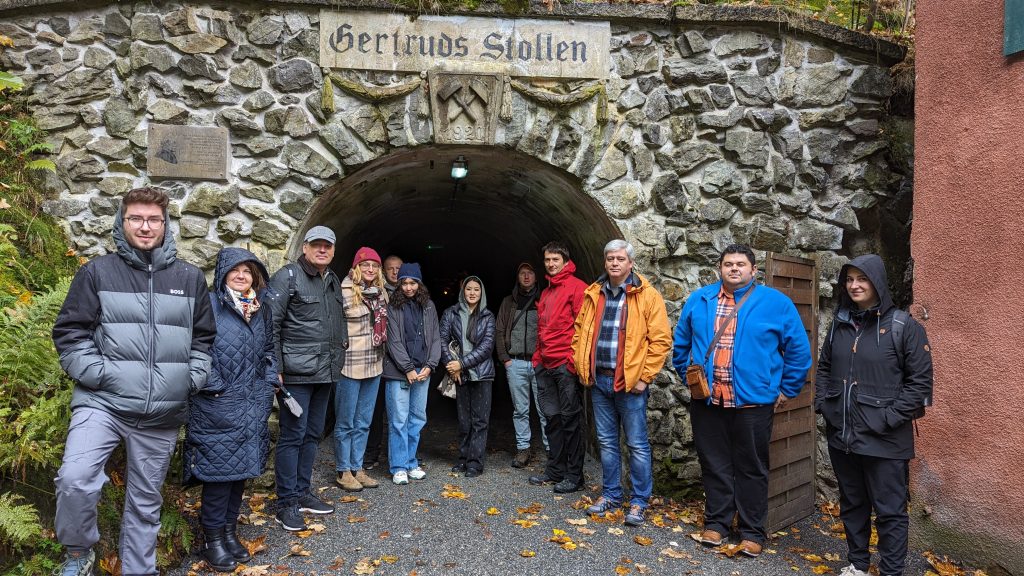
(457, 90)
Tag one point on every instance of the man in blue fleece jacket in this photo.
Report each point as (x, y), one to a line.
(761, 358)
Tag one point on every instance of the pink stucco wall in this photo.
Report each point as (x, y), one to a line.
(968, 248)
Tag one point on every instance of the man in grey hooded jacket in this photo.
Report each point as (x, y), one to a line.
(134, 334)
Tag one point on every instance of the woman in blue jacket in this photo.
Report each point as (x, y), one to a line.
(469, 325)
(227, 440)
(414, 349)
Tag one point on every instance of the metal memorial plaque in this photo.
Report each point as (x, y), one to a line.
(193, 152)
(465, 107)
(517, 47)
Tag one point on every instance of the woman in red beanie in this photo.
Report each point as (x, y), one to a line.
(366, 311)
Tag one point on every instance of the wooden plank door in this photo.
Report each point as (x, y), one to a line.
(793, 446)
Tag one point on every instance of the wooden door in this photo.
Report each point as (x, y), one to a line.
(793, 447)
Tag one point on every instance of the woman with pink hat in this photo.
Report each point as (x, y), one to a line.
(366, 310)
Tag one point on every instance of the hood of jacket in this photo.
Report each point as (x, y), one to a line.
(463, 306)
(230, 257)
(874, 269)
(563, 275)
(160, 257)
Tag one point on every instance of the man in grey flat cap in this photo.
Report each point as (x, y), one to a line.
(310, 336)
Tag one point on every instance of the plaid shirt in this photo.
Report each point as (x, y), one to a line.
(362, 359)
(607, 352)
(723, 393)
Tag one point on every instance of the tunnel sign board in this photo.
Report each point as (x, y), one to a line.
(517, 47)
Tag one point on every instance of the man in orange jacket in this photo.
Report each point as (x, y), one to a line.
(557, 386)
(621, 341)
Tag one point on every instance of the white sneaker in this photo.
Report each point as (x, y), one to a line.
(400, 478)
(851, 570)
(417, 473)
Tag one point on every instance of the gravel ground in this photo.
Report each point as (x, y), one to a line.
(415, 529)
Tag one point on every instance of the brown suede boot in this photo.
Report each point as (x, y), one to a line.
(348, 482)
(363, 478)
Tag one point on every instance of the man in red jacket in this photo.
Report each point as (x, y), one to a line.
(557, 384)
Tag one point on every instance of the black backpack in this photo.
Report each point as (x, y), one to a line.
(899, 323)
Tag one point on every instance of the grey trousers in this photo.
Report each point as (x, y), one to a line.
(92, 437)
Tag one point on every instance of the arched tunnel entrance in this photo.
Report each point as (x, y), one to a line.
(501, 214)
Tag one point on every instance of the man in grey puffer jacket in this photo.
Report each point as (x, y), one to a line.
(134, 334)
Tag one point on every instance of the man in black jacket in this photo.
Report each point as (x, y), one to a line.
(134, 334)
(309, 340)
(874, 377)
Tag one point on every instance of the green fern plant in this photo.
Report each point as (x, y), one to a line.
(19, 523)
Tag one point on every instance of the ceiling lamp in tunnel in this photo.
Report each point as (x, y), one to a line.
(460, 168)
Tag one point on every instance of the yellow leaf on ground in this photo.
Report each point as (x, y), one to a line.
(389, 559)
(296, 550)
(304, 533)
(658, 520)
(363, 566)
(577, 521)
(831, 557)
(620, 569)
(255, 545)
(384, 535)
(348, 498)
(730, 550)
(261, 570)
(525, 523)
(492, 511)
(533, 508)
(317, 528)
(616, 531)
(527, 553)
(557, 532)
(642, 540)
(821, 569)
(812, 558)
(111, 563)
(675, 553)
(568, 546)
(587, 531)
(453, 491)
(353, 519)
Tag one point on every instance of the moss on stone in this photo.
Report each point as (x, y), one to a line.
(668, 484)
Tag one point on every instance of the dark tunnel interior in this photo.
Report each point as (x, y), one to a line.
(501, 214)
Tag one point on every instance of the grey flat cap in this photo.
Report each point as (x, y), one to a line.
(320, 233)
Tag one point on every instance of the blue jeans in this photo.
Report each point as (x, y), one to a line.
(630, 410)
(407, 414)
(298, 440)
(353, 408)
(521, 381)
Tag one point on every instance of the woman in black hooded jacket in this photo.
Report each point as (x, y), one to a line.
(874, 377)
(470, 326)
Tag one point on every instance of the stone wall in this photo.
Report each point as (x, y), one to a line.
(716, 131)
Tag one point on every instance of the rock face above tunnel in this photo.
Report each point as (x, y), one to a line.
(703, 134)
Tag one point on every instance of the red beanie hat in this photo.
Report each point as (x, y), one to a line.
(365, 253)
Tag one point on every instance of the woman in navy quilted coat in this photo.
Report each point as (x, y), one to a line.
(227, 439)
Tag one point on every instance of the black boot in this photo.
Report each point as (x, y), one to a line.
(214, 552)
(236, 548)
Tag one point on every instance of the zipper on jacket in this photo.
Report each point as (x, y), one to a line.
(152, 345)
(848, 384)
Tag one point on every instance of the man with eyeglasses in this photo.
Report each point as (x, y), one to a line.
(134, 334)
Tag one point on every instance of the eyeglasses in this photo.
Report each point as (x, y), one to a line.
(369, 265)
(138, 221)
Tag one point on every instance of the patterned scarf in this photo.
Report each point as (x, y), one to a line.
(246, 304)
(378, 306)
